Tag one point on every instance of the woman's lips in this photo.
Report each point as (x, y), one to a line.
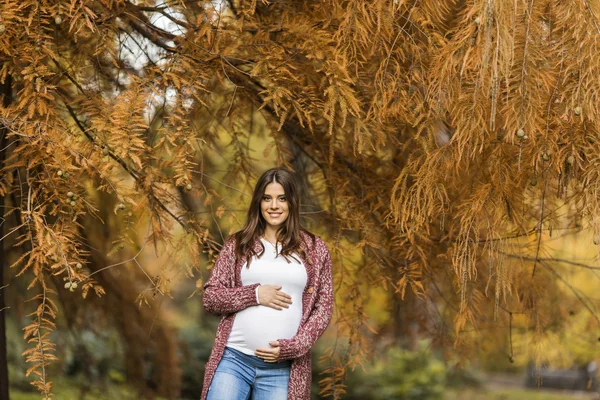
(274, 215)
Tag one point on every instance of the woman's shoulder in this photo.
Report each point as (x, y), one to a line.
(315, 243)
(230, 243)
(231, 239)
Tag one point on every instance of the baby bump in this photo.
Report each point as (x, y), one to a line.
(262, 324)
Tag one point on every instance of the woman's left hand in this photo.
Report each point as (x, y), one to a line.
(269, 355)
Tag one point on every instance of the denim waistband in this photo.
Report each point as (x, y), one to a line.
(257, 362)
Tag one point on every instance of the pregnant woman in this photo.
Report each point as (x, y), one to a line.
(272, 285)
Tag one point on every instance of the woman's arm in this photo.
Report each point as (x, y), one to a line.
(318, 320)
(220, 297)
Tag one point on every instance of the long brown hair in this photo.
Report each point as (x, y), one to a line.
(289, 234)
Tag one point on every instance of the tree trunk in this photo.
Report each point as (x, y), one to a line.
(5, 91)
(3, 354)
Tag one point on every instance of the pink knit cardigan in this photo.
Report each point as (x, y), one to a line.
(224, 295)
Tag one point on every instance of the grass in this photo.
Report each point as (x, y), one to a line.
(62, 389)
(515, 394)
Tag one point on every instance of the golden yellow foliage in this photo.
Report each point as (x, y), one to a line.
(439, 143)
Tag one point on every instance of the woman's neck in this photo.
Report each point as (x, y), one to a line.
(270, 234)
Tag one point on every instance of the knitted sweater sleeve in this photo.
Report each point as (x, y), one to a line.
(318, 319)
(221, 296)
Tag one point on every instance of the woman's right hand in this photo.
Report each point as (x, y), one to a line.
(271, 296)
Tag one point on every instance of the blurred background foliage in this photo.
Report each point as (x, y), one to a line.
(458, 200)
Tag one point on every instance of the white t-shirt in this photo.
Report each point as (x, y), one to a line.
(254, 327)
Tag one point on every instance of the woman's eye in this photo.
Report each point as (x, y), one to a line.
(282, 198)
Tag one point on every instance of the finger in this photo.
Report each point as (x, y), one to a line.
(282, 304)
(266, 352)
(285, 299)
(284, 295)
(286, 303)
(265, 356)
(275, 306)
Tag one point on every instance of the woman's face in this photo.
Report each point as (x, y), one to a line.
(274, 206)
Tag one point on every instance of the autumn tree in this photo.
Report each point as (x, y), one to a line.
(440, 144)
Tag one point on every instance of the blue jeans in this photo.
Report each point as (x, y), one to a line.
(239, 376)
